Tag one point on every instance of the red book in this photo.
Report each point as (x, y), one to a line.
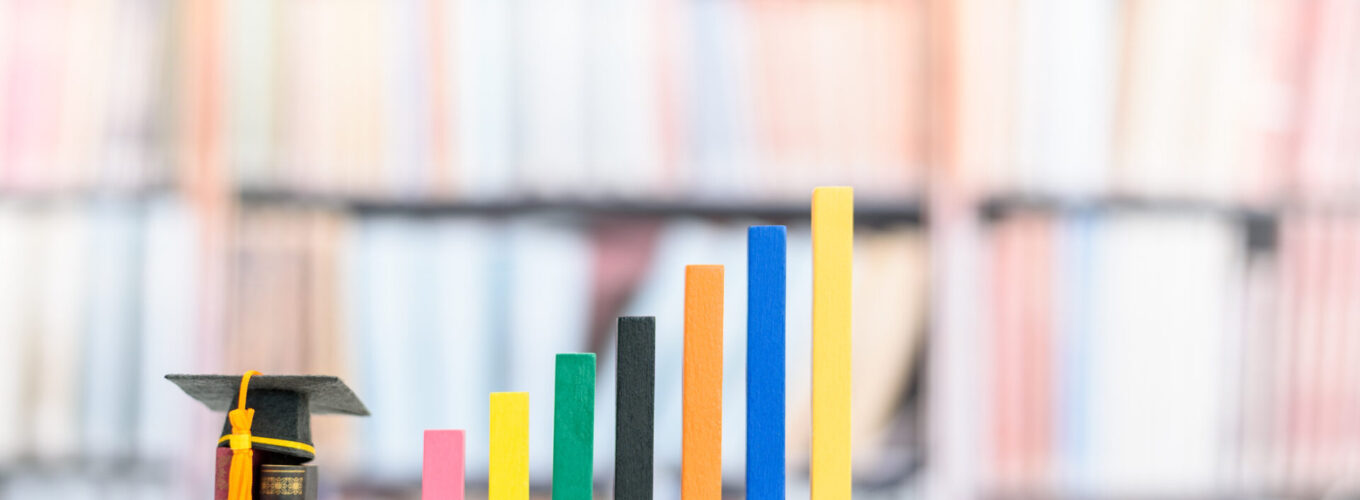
(223, 471)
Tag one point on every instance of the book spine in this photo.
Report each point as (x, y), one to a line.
(311, 484)
(222, 471)
(286, 482)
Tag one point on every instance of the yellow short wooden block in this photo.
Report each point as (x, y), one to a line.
(508, 478)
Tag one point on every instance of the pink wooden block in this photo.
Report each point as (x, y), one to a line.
(442, 474)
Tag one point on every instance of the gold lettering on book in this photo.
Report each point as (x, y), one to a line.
(281, 486)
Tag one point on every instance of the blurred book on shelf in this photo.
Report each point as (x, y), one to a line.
(1303, 429)
(1109, 343)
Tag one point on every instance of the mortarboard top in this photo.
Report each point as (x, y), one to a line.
(283, 406)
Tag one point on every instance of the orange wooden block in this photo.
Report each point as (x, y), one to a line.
(701, 462)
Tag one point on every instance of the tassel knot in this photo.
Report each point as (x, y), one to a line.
(241, 421)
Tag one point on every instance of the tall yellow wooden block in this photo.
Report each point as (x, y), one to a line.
(833, 228)
(508, 478)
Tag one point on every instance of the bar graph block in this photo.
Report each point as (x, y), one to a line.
(442, 471)
(833, 223)
(508, 477)
(636, 406)
(574, 428)
(766, 261)
(701, 460)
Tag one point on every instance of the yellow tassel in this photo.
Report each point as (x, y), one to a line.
(242, 478)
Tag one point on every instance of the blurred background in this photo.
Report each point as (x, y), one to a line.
(1105, 248)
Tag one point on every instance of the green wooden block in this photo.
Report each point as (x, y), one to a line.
(574, 428)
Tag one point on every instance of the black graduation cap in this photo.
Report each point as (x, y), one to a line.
(283, 407)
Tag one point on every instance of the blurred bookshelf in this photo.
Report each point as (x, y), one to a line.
(870, 212)
(1091, 232)
(1256, 228)
(907, 210)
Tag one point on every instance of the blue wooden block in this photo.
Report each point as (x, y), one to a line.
(766, 262)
